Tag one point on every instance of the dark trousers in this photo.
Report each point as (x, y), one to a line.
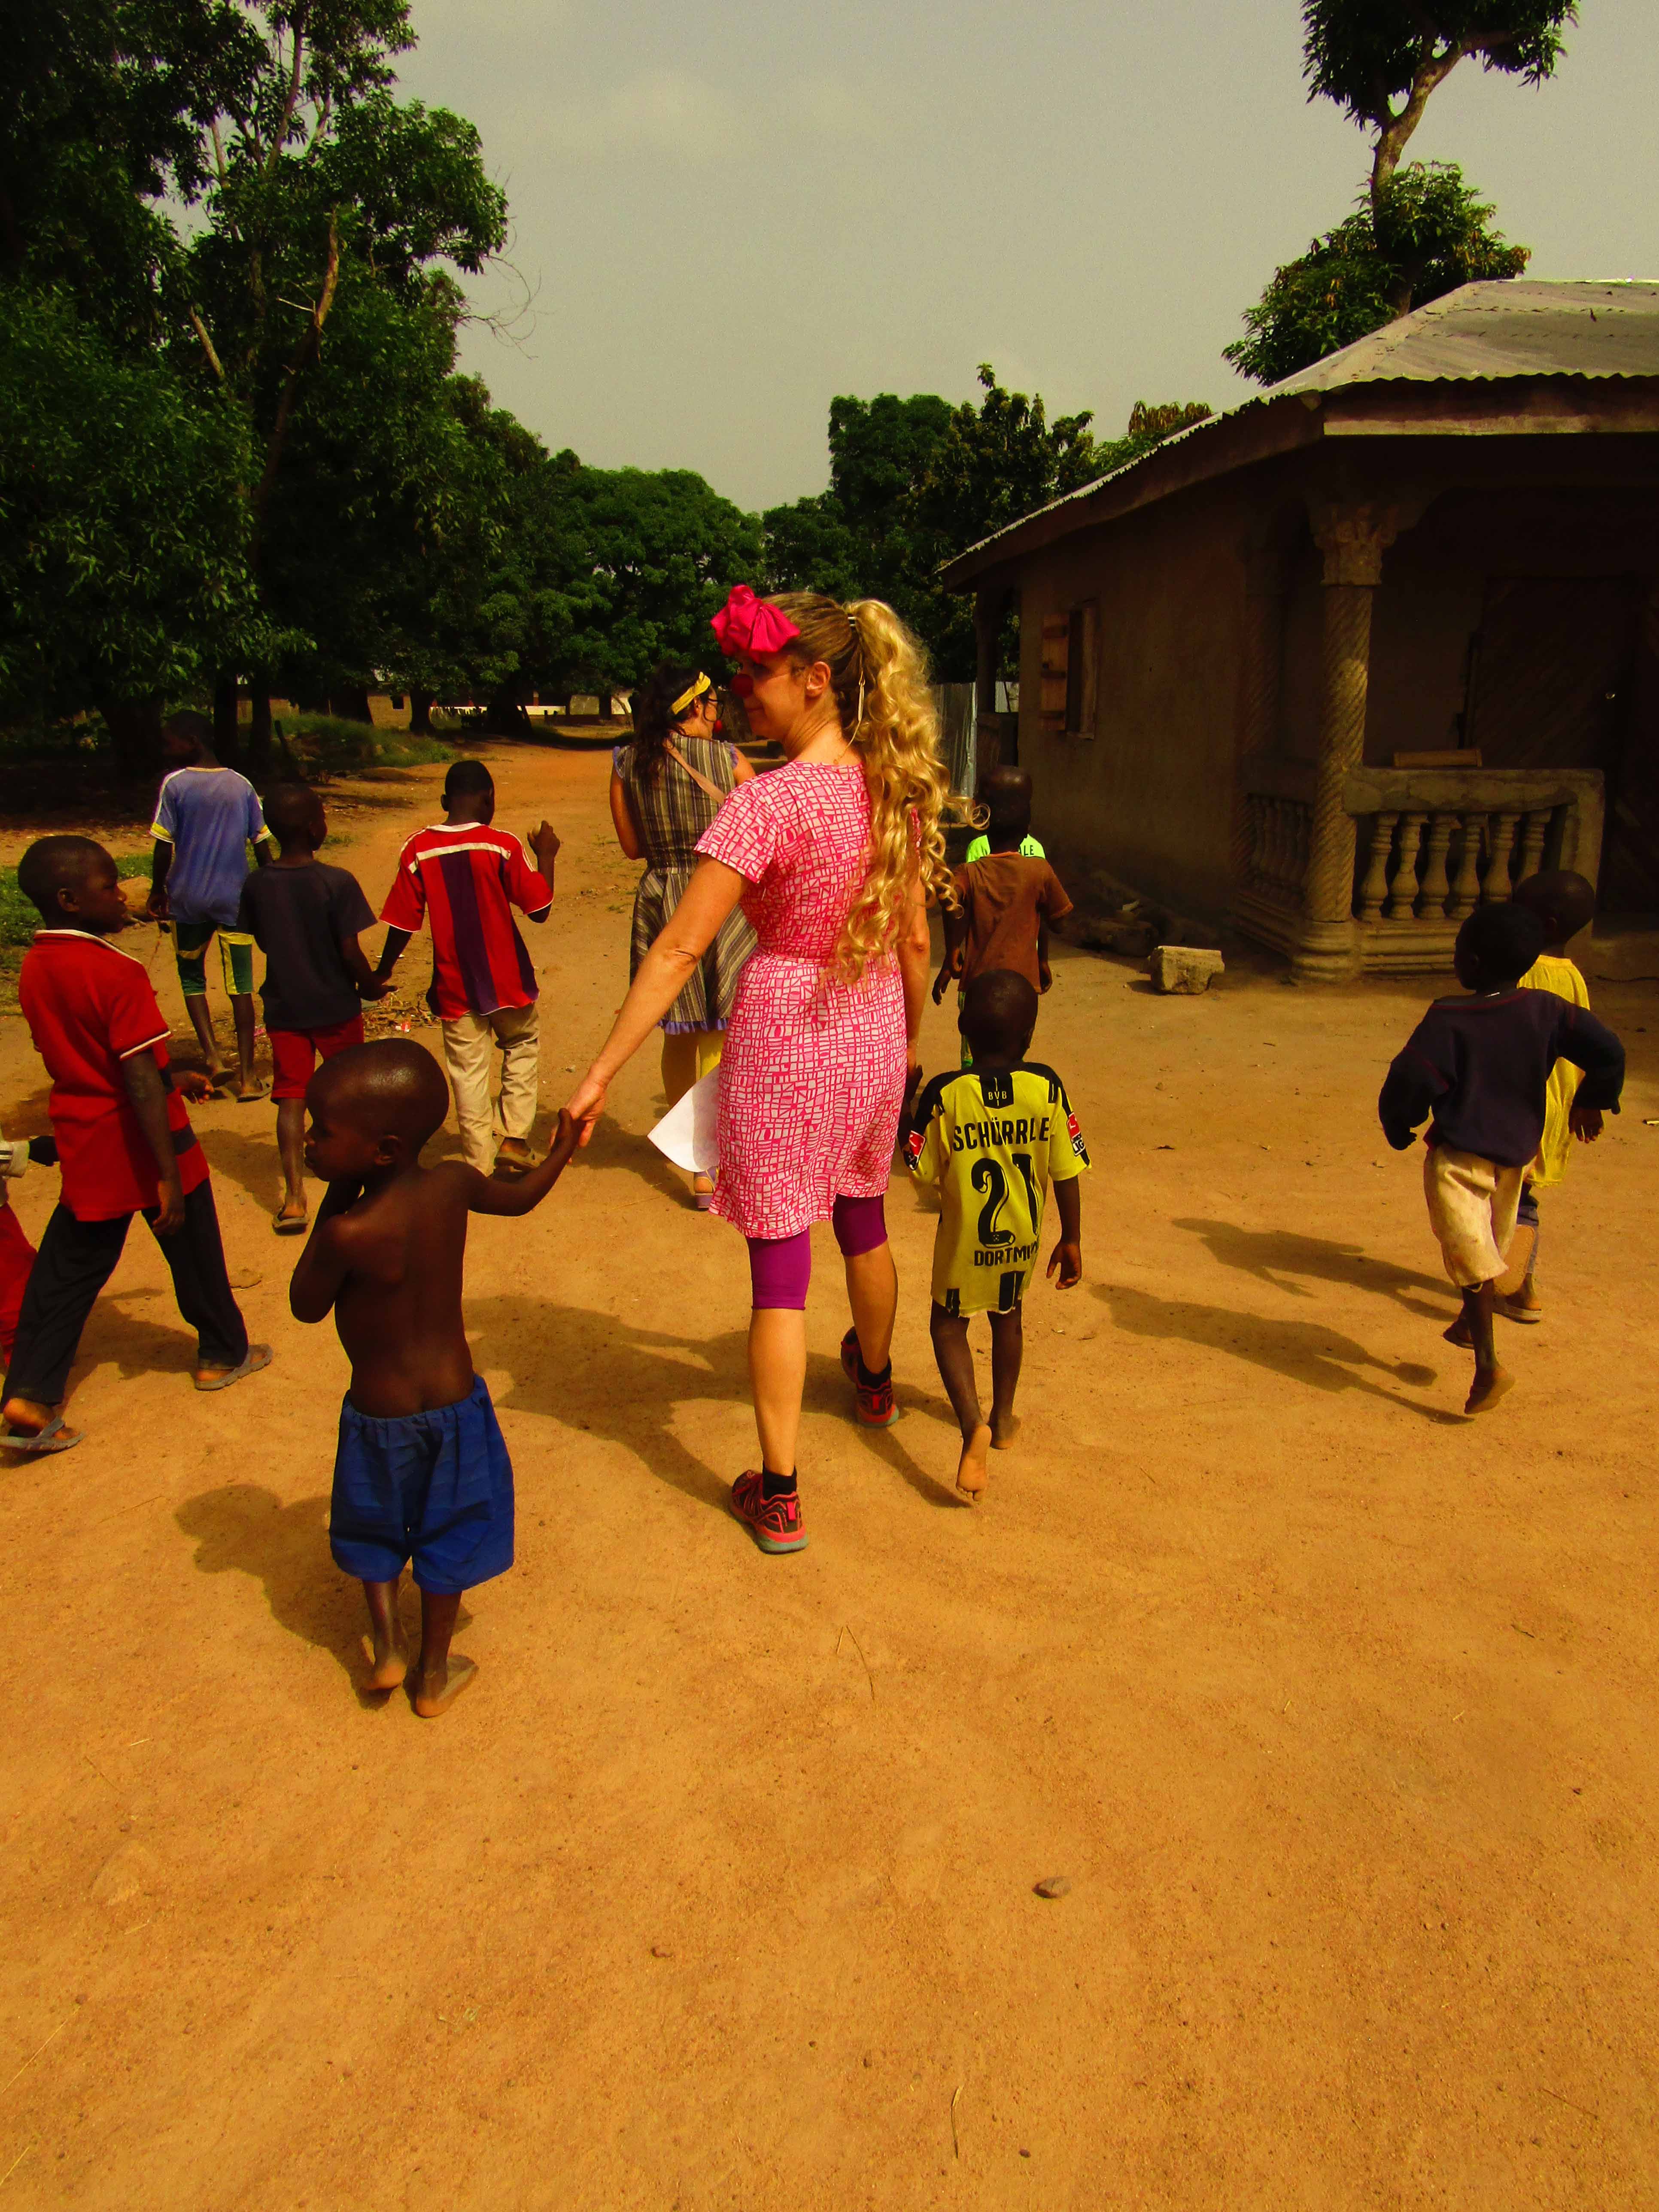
(75, 1262)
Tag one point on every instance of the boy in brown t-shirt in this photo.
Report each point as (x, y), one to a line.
(1008, 899)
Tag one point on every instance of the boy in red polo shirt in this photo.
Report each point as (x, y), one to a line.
(124, 1144)
(467, 878)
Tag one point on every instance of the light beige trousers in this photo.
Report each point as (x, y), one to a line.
(469, 1045)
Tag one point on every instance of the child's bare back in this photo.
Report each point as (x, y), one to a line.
(422, 1471)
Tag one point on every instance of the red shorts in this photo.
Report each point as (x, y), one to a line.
(294, 1053)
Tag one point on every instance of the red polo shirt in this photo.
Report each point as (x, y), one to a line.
(89, 1006)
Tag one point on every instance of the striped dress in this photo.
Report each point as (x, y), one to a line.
(671, 813)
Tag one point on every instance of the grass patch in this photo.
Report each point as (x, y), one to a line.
(323, 745)
(19, 920)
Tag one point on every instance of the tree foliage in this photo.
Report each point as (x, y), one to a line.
(915, 481)
(124, 576)
(1380, 60)
(1429, 235)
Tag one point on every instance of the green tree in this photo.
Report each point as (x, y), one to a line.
(1429, 235)
(124, 576)
(1381, 60)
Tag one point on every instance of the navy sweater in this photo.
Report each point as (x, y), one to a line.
(1479, 1066)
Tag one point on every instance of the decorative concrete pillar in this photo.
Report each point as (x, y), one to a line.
(1353, 536)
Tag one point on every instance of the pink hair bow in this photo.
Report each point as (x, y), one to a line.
(746, 624)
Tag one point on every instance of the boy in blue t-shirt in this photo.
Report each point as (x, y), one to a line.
(206, 817)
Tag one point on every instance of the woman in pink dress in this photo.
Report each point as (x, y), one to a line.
(832, 858)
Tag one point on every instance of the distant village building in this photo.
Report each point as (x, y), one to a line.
(1340, 663)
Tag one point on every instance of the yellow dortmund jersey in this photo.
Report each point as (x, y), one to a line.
(992, 1143)
(1550, 973)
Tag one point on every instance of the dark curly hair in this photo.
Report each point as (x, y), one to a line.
(655, 718)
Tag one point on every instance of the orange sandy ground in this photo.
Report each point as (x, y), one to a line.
(716, 1890)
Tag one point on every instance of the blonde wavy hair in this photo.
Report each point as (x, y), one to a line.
(878, 673)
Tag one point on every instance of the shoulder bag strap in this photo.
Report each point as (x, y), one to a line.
(713, 790)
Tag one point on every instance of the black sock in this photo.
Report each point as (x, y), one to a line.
(775, 1486)
(869, 1379)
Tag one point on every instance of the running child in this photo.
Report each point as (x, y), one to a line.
(421, 1469)
(1564, 903)
(992, 1137)
(468, 877)
(1480, 1066)
(206, 817)
(1007, 900)
(305, 917)
(124, 1144)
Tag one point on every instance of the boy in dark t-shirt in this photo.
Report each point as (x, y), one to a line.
(1481, 1065)
(304, 917)
(1007, 900)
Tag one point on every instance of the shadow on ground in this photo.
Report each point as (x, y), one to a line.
(624, 1381)
(1302, 1350)
(244, 1529)
(1272, 1254)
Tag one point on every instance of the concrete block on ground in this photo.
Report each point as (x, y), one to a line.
(1186, 968)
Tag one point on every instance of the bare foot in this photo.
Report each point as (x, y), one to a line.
(434, 1697)
(973, 1474)
(513, 1156)
(1004, 1429)
(291, 1216)
(24, 1417)
(1489, 1386)
(248, 1091)
(1460, 1332)
(388, 1668)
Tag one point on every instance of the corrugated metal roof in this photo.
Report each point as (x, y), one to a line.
(1509, 327)
(1512, 326)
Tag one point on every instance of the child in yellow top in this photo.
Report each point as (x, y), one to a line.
(1564, 903)
(992, 1138)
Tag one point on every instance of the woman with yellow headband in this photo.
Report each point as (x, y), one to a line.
(665, 789)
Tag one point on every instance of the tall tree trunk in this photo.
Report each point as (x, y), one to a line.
(505, 717)
(227, 730)
(258, 730)
(420, 713)
(135, 730)
(350, 705)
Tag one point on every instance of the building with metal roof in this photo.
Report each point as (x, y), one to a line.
(1345, 660)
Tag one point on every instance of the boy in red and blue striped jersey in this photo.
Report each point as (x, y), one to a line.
(466, 877)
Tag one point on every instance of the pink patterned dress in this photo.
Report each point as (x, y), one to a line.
(813, 1079)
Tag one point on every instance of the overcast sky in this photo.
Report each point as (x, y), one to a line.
(726, 213)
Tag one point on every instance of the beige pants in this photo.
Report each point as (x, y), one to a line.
(1471, 1206)
(469, 1048)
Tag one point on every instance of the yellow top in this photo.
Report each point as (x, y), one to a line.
(991, 1144)
(1547, 972)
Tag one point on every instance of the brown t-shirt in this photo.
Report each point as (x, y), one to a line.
(1004, 898)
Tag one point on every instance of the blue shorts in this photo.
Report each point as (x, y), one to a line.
(434, 1487)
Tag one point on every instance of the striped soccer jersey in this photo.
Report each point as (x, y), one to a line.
(468, 877)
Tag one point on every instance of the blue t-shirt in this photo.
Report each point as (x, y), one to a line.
(208, 815)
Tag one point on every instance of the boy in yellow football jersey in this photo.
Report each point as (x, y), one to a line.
(992, 1137)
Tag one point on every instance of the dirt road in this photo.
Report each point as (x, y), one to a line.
(717, 1889)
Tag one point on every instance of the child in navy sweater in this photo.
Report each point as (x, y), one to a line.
(1481, 1065)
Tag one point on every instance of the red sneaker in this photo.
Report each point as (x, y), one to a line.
(872, 1402)
(774, 1522)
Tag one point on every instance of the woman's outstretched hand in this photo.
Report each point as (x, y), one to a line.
(586, 1104)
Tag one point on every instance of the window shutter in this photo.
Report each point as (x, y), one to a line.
(1056, 656)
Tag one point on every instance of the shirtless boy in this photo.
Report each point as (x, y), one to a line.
(421, 1469)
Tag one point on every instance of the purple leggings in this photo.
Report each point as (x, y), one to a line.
(781, 1268)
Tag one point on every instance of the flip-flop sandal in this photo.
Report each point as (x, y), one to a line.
(54, 1438)
(252, 1098)
(290, 1225)
(513, 1168)
(258, 1356)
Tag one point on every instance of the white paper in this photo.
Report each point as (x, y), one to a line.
(685, 1133)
